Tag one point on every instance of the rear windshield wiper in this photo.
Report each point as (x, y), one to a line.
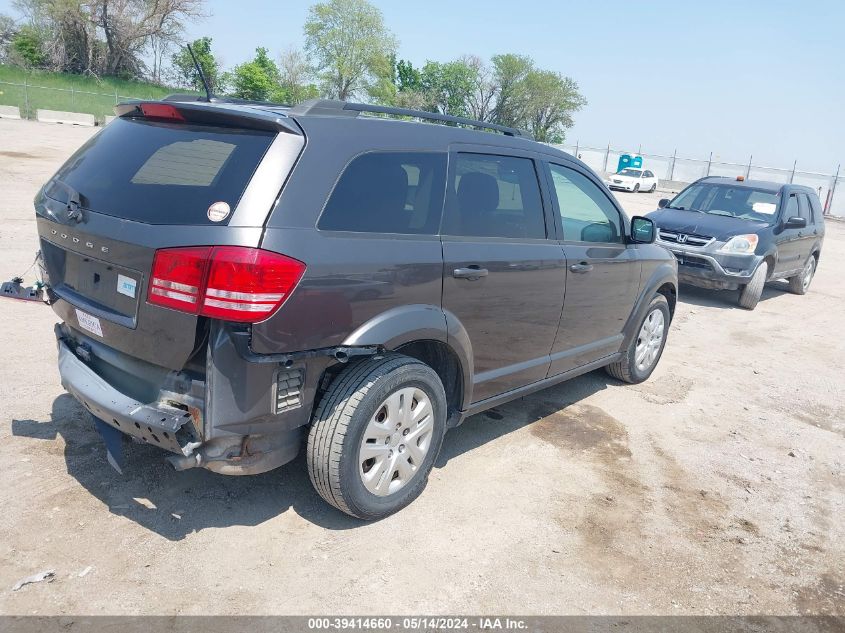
(73, 200)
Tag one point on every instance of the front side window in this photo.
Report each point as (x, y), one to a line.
(494, 196)
(587, 215)
(388, 192)
(791, 208)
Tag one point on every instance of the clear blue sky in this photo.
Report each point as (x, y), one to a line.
(754, 77)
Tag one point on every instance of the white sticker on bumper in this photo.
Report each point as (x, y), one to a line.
(89, 323)
(126, 285)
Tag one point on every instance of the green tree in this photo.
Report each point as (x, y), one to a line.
(257, 80)
(295, 75)
(550, 100)
(509, 73)
(447, 86)
(407, 77)
(349, 45)
(186, 74)
(28, 47)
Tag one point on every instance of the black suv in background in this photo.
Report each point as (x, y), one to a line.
(730, 234)
(238, 280)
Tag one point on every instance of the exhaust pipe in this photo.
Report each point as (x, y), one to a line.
(181, 462)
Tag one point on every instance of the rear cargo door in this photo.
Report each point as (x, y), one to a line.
(144, 184)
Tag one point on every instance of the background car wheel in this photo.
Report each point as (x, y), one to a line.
(645, 349)
(637, 188)
(750, 293)
(375, 435)
(800, 284)
(653, 188)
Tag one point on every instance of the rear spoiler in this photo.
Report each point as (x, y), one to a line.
(229, 115)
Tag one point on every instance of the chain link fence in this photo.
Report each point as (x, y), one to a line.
(29, 98)
(673, 170)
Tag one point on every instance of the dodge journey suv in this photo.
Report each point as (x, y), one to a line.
(240, 281)
(734, 234)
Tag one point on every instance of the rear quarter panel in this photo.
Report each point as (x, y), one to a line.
(350, 277)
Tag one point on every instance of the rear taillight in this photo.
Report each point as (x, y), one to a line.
(232, 283)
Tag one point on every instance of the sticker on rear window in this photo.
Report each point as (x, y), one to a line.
(126, 285)
(90, 323)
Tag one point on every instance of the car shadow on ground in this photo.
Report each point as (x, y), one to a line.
(727, 298)
(174, 504)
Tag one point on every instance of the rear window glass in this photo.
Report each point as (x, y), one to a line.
(163, 173)
(388, 192)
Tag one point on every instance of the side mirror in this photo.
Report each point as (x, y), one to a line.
(796, 223)
(643, 230)
(663, 202)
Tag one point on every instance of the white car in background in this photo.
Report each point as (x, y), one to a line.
(632, 179)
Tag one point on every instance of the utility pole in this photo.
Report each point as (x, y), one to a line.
(829, 202)
(709, 162)
(672, 169)
(792, 175)
(606, 156)
(748, 169)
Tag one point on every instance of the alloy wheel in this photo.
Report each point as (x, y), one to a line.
(649, 339)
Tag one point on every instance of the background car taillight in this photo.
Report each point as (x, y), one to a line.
(232, 283)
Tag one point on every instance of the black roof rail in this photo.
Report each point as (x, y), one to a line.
(183, 98)
(332, 107)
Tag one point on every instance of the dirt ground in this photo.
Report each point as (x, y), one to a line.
(718, 486)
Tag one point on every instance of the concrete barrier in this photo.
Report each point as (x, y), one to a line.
(69, 118)
(108, 119)
(10, 112)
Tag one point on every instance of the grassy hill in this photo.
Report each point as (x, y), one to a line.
(30, 90)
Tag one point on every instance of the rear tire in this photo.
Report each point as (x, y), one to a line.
(750, 293)
(800, 283)
(653, 188)
(631, 368)
(377, 397)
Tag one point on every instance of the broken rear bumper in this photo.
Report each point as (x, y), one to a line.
(157, 424)
(168, 410)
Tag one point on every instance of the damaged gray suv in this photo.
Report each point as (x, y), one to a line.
(237, 282)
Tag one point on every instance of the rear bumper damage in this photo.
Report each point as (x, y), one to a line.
(233, 432)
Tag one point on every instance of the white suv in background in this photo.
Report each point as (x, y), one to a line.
(631, 179)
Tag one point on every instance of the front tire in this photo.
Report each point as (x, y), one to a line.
(637, 188)
(800, 284)
(750, 294)
(376, 434)
(646, 348)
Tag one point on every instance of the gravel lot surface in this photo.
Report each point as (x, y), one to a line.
(718, 486)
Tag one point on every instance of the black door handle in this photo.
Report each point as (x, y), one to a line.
(583, 267)
(470, 272)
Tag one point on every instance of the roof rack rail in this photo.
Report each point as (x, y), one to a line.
(231, 100)
(332, 107)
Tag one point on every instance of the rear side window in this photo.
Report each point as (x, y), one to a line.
(495, 196)
(388, 192)
(163, 173)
